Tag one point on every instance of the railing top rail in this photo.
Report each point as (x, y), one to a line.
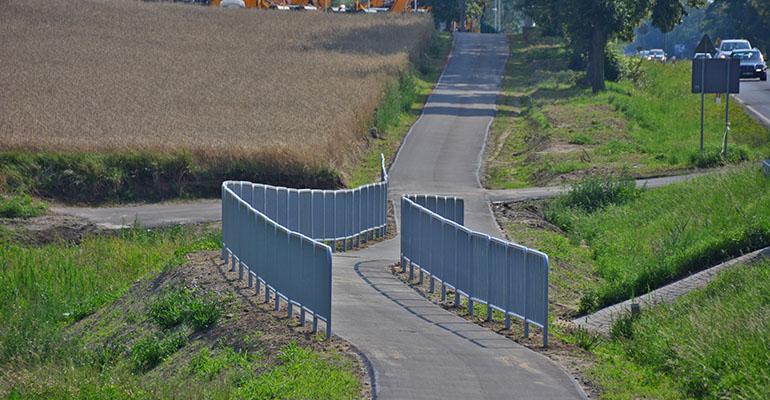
(383, 173)
(271, 221)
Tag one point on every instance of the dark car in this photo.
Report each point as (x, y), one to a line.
(752, 64)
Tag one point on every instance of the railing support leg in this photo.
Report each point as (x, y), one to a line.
(421, 276)
(489, 312)
(314, 329)
(289, 309)
(411, 272)
(250, 282)
(507, 322)
(233, 261)
(328, 330)
(267, 293)
(443, 293)
(526, 329)
(432, 284)
(240, 270)
(470, 306)
(277, 302)
(302, 316)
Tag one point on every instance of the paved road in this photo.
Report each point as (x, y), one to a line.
(755, 96)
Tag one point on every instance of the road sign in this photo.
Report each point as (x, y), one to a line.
(714, 75)
(706, 46)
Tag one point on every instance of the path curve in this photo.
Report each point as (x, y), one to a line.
(419, 350)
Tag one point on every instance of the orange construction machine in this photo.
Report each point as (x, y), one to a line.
(320, 4)
(396, 6)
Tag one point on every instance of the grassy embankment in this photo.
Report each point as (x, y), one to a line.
(608, 242)
(551, 129)
(710, 344)
(73, 327)
(292, 108)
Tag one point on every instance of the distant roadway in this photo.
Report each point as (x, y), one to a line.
(755, 96)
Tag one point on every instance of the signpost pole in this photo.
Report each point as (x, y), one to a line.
(727, 108)
(702, 98)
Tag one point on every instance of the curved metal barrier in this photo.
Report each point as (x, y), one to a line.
(278, 236)
(766, 167)
(504, 276)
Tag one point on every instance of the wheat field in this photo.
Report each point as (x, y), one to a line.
(123, 75)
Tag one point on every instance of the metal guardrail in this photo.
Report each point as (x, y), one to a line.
(766, 167)
(275, 235)
(341, 218)
(504, 276)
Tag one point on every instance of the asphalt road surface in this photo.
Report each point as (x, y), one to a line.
(755, 96)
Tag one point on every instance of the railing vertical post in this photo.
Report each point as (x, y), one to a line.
(490, 263)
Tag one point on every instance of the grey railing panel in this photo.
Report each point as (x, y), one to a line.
(505, 276)
(766, 167)
(274, 234)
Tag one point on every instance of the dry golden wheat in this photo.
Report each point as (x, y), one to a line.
(112, 76)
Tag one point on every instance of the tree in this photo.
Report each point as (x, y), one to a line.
(445, 11)
(589, 25)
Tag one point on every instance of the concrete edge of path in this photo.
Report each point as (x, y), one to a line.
(602, 320)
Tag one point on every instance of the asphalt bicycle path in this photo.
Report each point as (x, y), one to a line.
(417, 349)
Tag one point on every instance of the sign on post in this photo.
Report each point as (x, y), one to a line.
(716, 75)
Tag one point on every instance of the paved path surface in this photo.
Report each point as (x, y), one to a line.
(601, 321)
(419, 350)
(755, 96)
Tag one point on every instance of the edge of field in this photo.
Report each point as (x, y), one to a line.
(391, 133)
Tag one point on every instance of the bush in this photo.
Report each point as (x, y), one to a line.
(615, 65)
(20, 206)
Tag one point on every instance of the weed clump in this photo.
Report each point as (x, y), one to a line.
(178, 306)
(149, 351)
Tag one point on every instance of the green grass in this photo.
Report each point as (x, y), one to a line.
(21, 206)
(400, 108)
(142, 347)
(622, 250)
(551, 128)
(709, 344)
(44, 289)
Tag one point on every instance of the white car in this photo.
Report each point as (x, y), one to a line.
(728, 46)
(232, 3)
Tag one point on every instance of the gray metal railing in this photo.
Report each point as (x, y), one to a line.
(766, 167)
(278, 237)
(504, 276)
(342, 218)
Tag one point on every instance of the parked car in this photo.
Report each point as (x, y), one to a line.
(728, 46)
(657, 55)
(233, 3)
(700, 56)
(752, 64)
(644, 53)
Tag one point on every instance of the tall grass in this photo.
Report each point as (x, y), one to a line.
(710, 344)
(669, 232)
(43, 289)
